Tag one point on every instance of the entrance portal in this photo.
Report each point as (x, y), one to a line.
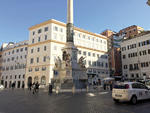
(29, 80)
(5, 84)
(18, 86)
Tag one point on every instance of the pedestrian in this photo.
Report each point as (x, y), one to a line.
(110, 85)
(37, 87)
(104, 86)
(50, 88)
(33, 88)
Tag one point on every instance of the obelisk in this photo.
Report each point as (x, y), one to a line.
(69, 72)
(70, 49)
(70, 30)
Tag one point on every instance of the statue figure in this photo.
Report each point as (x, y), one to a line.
(81, 62)
(64, 56)
(58, 62)
(68, 59)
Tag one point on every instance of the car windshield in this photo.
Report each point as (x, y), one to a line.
(121, 86)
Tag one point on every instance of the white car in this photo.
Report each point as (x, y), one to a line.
(130, 91)
(1, 87)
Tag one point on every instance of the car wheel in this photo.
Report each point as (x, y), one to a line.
(116, 100)
(134, 100)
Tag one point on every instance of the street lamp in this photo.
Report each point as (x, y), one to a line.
(148, 2)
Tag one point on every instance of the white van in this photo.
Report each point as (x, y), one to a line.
(130, 91)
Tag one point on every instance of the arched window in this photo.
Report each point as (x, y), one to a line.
(43, 80)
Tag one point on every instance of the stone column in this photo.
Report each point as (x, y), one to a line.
(70, 11)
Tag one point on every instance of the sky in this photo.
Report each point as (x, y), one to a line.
(16, 16)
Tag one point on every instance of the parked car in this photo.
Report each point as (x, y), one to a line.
(130, 91)
(1, 87)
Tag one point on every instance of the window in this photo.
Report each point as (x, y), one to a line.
(124, 56)
(37, 69)
(33, 32)
(83, 36)
(25, 56)
(132, 75)
(89, 54)
(84, 53)
(130, 67)
(31, 60)
(19, 76)
(17, 50)
(13, 52)
(32, 41)
(39, 31)
(139, 44)
(44, 48)
(106, 65)
(12, 58)
(93, 54)
(30, 69)
(61, 30)
(45, 37)
(44, 59)
(148, 51)
(37, 59)
(46, 29)
(43, 68)
(79, 52)
(56, 28)
(21, 49)
(39, 39)
(89, 63)
(94, 63)
(23, 76)
(125, 66)
(26, 48)
(38, 49)
(31, 50)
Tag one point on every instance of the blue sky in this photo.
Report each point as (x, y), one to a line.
(16, 16)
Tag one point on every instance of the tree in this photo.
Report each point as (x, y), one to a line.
(148, 2)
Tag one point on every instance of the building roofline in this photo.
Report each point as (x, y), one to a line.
(139, 35)
(64, 25)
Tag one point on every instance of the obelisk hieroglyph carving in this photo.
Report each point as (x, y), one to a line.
(70, 28)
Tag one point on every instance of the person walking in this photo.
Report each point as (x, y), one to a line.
(33, 88)
(50, 88)
(37, 87)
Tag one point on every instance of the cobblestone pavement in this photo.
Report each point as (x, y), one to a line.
(23, 101)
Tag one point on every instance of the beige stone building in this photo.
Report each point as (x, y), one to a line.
(131, 31)
(45, 43)
(0, 64)
(13, 64)
(136, 57)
